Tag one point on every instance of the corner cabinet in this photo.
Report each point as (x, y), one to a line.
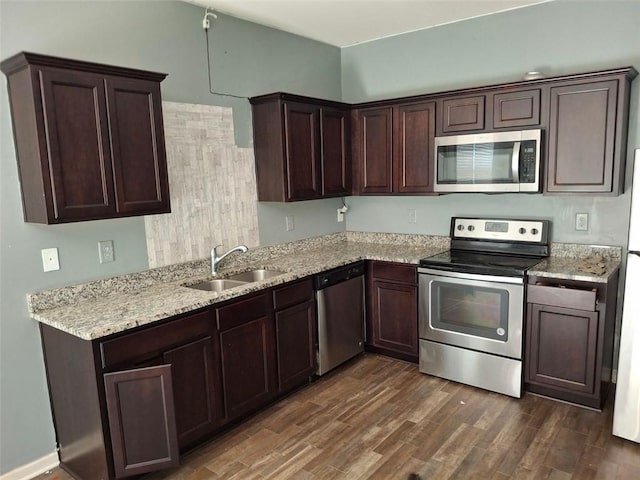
(392, 310)
(393, 148)
(569, 339)
(89, 139)
(301, 148)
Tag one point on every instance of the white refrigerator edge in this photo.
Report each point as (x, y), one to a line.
(626, 412)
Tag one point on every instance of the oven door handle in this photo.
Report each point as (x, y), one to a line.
(472, 276)
(515, 162)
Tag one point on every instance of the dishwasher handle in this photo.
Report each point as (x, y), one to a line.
(338, 275)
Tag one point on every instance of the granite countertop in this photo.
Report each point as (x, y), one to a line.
(104, 307)
(127, 307)
(579, 262)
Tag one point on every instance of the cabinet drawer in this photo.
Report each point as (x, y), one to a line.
(292, 294)
(154, 339)
(559, 296)
(242, 311)
(394, 271)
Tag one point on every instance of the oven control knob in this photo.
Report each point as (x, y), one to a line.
(522, 230)
(534, 231)
(500, 331)
(471, 228)
(460, 227)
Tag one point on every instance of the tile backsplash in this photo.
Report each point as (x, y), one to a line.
(212, 184)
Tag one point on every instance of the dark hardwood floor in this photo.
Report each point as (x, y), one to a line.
(379, 418)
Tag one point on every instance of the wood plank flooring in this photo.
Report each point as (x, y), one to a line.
(379, 418)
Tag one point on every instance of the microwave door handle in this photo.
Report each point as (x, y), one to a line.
(515, 163)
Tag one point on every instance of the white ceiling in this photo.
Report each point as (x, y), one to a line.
(348, 22)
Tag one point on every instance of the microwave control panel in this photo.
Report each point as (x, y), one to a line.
(531, 231)
(528, 161)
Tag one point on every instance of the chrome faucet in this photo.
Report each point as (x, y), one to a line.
(215, 259)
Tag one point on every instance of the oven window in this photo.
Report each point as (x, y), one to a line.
(478, 311)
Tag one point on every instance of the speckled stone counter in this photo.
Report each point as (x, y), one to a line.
(104, 307)
(579, 262)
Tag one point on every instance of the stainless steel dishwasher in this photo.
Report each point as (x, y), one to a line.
(340, 301)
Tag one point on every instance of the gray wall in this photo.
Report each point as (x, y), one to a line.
(310, 219)
(160, 36)
(556, 38)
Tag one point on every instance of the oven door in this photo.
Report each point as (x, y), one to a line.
(479, 312)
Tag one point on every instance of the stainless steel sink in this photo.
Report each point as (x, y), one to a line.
(255, 275)
(217, 285)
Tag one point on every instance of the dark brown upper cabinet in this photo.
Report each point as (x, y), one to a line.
(301, 148)
(373, 150)
(302, 145)
(89, 139)
(461, 114)
(393, 149)
(519, 108)
(587, 136)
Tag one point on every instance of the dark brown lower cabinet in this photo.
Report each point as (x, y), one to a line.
(296, 339)
(562, 350)
(569, 339)
(141, 420)
(197, 389)
(392, 317)
(296, 333)
(133, 400)
(247, 354)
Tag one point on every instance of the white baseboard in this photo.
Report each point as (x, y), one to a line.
(33, 469)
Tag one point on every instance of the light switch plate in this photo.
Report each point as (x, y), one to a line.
(50, 260)
(412, 215)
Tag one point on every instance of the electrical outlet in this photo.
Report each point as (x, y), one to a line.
(50, 261)
(412, 215)
(288, 220)
(105, 251)
(582, 221)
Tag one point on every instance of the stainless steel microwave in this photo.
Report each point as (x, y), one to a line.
(488, 162)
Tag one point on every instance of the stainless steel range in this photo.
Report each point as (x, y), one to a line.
(472, 302)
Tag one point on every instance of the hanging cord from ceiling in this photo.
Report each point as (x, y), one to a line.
(206, 24)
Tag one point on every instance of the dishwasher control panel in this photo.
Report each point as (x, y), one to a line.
(340, 274)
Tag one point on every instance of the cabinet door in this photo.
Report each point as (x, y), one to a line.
(296, 341)
(302, 151)
(375, 150)
(516, 109)
(248, 366)
(561, 348)
(79, 158)
(394, 317)
(413, 161)
(137, 144)
(141, 420)
(462, 114)
(581, 153)
(197, 389)
(334, 132)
